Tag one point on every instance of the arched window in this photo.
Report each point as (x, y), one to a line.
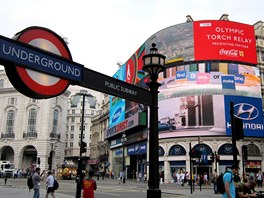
(55, 121)
(32, 120)
(10, 121)
(253, 150)
(177, 150)
(226, 149)
(161, 151)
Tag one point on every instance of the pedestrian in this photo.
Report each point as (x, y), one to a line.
(259, 179)
(230, 191)
(121, 177)
(36, 178)
(50, 182)
(89, 186)
(113, 175)
(5, 179)
(214, 181)
(246, 189)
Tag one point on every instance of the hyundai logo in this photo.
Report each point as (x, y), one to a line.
(245, 111)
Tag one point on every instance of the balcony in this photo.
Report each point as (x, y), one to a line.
(8, 135)
(54, 135)
(30, 135)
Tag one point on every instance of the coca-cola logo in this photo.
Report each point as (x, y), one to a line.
(231, 52)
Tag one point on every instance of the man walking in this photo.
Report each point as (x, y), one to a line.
(50, 182)
(214, 181)
(89, 186)
(259, 179)
(230, 191)
(36, 178)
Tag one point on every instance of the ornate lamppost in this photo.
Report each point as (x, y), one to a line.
(153, 65)
(123, 140)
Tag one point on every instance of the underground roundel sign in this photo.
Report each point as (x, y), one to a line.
(33, 83)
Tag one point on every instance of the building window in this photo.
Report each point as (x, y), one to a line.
(80, 136)
(71, 144)
(55, 121)
(262, 56)
(1, 83)
(32, 120)
(72, 136)
(73, 111)
(72, 119)
(33, 100)
(72, 128)
(11, 101)
(81, 128)
(81, 120)
(10, 121)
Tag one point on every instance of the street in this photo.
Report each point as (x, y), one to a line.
(107, 188)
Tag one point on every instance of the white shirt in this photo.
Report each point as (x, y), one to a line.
(50, 180)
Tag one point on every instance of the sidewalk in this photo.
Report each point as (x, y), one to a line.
(10, 191)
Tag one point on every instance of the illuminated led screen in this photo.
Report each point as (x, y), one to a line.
(208, 65)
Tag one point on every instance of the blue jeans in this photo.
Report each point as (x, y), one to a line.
(36, 193)
(215, 187)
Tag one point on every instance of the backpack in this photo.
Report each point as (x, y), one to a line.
(55, 184)
(220, 183)
(30, 183)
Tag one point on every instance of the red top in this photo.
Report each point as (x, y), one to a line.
(89, 185)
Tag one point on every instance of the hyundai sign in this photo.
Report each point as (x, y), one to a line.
(248, 109)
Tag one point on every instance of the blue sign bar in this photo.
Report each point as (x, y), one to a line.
(138, 148)
(39, 60)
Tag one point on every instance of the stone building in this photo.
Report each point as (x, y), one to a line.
(32, 131)
(99, 146)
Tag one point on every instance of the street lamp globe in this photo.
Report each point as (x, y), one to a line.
(153, 63)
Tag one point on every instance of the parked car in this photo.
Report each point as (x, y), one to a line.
(166, 127)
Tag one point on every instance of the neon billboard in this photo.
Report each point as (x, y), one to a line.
(208, 64)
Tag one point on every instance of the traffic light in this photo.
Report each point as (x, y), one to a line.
(217, 158)
(238, 127)
(195, 153)
(83, 147)
(245, 152)
(212, 157)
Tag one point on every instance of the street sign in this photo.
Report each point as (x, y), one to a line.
(35, 72)
(42, 73)
(115, 87)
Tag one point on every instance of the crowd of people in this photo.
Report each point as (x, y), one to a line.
(236, 186)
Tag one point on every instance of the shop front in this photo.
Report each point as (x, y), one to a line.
(137, 168)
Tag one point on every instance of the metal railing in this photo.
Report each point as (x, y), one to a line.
(8, 135)
(30, 135)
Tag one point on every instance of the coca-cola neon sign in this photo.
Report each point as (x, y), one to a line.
(224, 40)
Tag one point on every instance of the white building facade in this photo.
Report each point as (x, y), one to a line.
(32, 131)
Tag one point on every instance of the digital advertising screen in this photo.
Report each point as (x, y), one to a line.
(226, 40)
(208, 64)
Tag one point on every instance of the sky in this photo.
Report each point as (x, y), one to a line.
(102, 33)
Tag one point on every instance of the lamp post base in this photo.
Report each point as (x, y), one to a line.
(153, 193)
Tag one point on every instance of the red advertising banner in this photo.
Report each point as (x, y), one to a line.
(224, 40)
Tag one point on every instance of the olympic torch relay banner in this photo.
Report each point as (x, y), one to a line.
(224, 40)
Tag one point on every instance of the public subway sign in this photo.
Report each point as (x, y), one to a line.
(39, 65)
